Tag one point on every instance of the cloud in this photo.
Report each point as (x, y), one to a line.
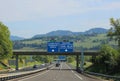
(22, 10)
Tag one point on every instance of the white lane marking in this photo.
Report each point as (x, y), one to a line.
(61, 66)
(34, 76)
(54, 79)
(78, 76)
(74, 73)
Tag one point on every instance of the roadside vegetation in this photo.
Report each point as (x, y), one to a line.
(5, 44)
(108, 62)
(6, 48)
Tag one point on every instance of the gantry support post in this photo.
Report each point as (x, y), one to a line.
(82, 61)
(17, 67)
(77, 62)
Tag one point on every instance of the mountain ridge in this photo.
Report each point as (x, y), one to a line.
(64, 33)
(70, 33)
(13, 38)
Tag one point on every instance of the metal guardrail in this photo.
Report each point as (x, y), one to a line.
(5, 78)
(20, 75)
(116, 78)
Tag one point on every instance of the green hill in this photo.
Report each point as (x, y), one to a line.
(88, 42)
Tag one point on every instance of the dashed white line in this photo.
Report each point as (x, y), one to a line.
(61, 66)
(54, 79)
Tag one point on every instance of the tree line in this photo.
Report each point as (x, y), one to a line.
(109, 58)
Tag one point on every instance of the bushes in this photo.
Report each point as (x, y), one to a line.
(5, 42)
(109, 58)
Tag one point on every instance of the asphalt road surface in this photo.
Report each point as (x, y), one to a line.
(61, 73)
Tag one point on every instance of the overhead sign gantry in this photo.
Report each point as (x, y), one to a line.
(56, 48)
(60, 47)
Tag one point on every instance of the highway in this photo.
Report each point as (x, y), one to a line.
(61, 73)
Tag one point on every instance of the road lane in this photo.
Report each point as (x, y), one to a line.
(61, 73)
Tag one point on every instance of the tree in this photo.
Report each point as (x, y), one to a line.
(114, 32)
(45, 59)
(5, 42)
(108, 57)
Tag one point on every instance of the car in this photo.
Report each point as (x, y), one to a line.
(35, 66)
(42, 64)
(57, 64)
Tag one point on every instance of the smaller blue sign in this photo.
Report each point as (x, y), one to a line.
(52, 46)
(62, 57)
(66, 47)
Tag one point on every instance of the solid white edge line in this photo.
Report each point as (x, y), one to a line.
(74, 73)
(78, 76)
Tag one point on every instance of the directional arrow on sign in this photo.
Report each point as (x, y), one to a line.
(53, 50)
(66, 50)
(60, 46)
(52, 46)
(66, 47)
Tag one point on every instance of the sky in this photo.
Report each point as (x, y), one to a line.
(26, 18)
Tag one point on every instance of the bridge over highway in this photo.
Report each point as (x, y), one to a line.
(32, 52)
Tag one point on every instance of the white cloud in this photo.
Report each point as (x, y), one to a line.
(20, 10)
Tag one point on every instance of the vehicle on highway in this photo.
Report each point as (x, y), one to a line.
(57, 64)
(42, 64)
(35, 66)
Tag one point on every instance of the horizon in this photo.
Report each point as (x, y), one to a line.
(26, 18)
(58, 30)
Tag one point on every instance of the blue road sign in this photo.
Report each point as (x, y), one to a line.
(62, 57)
(66, 47)
(52, 46)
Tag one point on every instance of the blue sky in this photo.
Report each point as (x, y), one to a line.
(27, 18)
